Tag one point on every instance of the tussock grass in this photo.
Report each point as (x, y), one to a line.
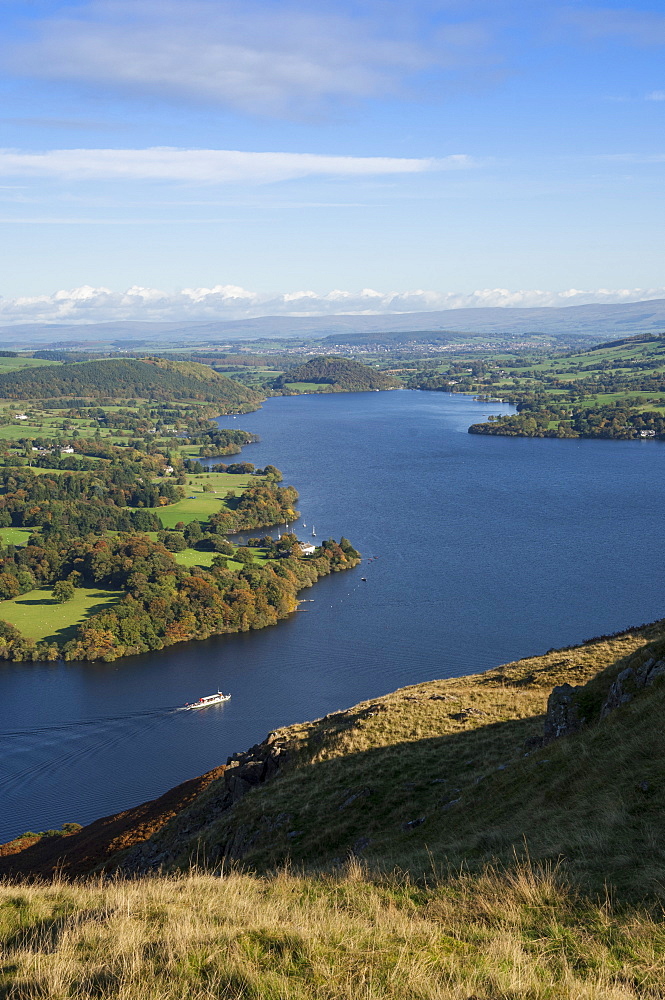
(523, 933)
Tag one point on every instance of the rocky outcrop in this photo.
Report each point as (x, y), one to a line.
(563, 713)
(243, 771)
(629, 682)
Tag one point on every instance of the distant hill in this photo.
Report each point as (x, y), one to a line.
(124, 378)
(640, 338)
(601, 322)
(339, 373)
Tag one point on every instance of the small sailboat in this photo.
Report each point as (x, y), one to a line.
(313, 532)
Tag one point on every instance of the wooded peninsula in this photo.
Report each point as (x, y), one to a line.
(114, 536)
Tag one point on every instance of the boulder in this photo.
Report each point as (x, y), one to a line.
(563, 713)
(629, 682)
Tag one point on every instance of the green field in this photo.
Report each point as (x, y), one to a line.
(192, 557)
(16, 536)
(307, 386)
(39, 617)
(199, 505)
(197, 509)
(12, 432)
(14, 364)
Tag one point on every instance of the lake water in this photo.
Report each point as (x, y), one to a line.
(484, 549)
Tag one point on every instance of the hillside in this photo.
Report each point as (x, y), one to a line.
(341, 374)
(432, 847)
(453, 771)
(126, 378)
(611, 390)
(449, 773)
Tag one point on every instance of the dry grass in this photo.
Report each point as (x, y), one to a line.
(523, 934)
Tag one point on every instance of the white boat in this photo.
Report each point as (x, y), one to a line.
(313, 532)
(208, 700)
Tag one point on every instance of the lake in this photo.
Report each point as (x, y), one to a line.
(483, 550)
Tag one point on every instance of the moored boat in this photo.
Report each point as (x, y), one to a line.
(208, 700)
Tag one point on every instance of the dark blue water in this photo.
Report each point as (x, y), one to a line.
(487, 549)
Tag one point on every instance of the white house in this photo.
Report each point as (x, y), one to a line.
(21, 416)
(307, 548)
(67, 451)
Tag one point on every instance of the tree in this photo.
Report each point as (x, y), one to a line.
(63, 591)
(9, 586)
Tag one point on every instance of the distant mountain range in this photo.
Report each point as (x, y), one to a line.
(594, 321)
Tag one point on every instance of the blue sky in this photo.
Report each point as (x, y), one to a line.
(198, 158)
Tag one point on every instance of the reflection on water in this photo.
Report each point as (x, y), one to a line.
(477, 551)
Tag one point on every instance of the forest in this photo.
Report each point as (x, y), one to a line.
(618, 421)
(341, 374)
(164, 602)
(127, 378)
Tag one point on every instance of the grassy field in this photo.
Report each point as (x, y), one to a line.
(197, 507)
(306, 386)
(193, 557)
(39, 617)
(205, 496)
(522, 935)
(14, 364)
(12, 432)
(15, 536)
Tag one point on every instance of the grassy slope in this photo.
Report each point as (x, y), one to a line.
(519, 929)
(520, 937)
(358, 777)
(39, 617)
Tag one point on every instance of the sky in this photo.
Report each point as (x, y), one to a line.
(201, 159)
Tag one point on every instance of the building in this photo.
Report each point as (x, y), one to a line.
(307, 548)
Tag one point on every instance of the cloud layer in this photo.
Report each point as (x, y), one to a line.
(230, 302)
(253, 56)
(207, 166)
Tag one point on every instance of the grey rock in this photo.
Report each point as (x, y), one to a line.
(629, 682)
(449, 804)
(413, 823)
(563, 715)
(362, 793)
(467, 713)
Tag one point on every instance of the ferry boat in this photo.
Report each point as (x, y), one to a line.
(207, 700)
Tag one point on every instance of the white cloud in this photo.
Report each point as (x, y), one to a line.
(97, 305)
(277, 59)
(656, 95)
(631, 26)
(207, 166)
